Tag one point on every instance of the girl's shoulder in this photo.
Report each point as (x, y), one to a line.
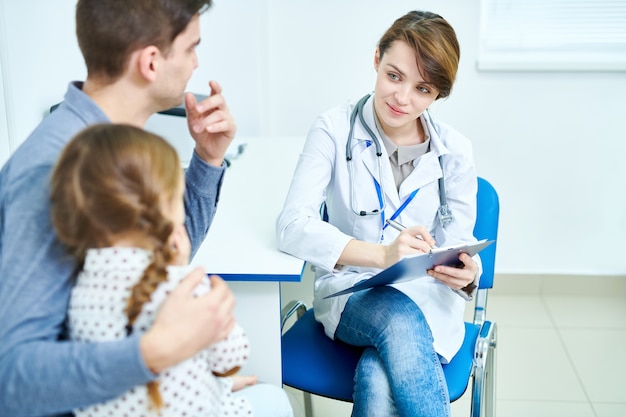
(117, 257)
(176, 273)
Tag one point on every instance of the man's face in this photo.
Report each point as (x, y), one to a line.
(177, 66)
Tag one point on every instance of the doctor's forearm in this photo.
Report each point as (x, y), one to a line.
(360, 253)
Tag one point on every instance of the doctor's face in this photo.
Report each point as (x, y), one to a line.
(401, 94)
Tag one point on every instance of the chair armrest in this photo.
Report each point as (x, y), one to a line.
(294, 306)
(487, 338)
(480, 306)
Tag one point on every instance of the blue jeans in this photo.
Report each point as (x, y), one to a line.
(399, 373)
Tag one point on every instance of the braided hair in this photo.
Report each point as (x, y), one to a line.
(110, 183)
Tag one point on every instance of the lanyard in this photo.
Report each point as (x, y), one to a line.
(397, 212)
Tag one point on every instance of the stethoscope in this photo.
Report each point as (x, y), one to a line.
(445, 215)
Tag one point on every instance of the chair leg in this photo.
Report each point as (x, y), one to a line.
(477, 393)
(483, 402)
(490, 378)
(308, 404)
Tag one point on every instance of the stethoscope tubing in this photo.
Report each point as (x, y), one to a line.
(358, 111)
(444, 212)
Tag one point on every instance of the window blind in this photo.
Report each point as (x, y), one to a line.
(562, 35)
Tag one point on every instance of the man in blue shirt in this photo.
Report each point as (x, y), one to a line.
(139, 57)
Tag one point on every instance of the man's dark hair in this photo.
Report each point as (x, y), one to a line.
(108, 31)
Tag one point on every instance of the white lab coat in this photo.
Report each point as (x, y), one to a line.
(322, 175)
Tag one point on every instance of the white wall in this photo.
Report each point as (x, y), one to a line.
(39, 46)
(41, 55)
(552, 143)
(5, 150)
(233, 51)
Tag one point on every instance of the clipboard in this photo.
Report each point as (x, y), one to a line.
(414, 267)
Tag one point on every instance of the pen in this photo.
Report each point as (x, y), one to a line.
(400, 227)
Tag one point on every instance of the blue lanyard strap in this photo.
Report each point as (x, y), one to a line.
(379, 193)
(400, 209)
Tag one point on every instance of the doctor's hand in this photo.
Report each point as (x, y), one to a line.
(210, 124)
(456, 278)
(410, 241)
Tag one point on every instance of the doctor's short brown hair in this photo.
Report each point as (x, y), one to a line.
(108, 31)
(435, 44)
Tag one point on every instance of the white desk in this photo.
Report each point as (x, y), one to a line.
(241, 245)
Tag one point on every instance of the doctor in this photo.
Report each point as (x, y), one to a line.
(386, 158)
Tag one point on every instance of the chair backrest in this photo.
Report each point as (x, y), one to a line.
(487, 214)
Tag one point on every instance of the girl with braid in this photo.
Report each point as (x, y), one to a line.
(117, 204)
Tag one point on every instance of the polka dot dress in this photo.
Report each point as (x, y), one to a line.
(189, 389)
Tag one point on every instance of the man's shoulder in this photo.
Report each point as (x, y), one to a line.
(43, 146)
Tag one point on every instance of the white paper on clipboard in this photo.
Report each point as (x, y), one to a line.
(416, 266)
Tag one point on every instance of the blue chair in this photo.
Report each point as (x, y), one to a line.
(315, 364)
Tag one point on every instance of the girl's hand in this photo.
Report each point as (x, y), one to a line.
(240, 381)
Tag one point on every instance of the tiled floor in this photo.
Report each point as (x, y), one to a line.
(559, 352)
